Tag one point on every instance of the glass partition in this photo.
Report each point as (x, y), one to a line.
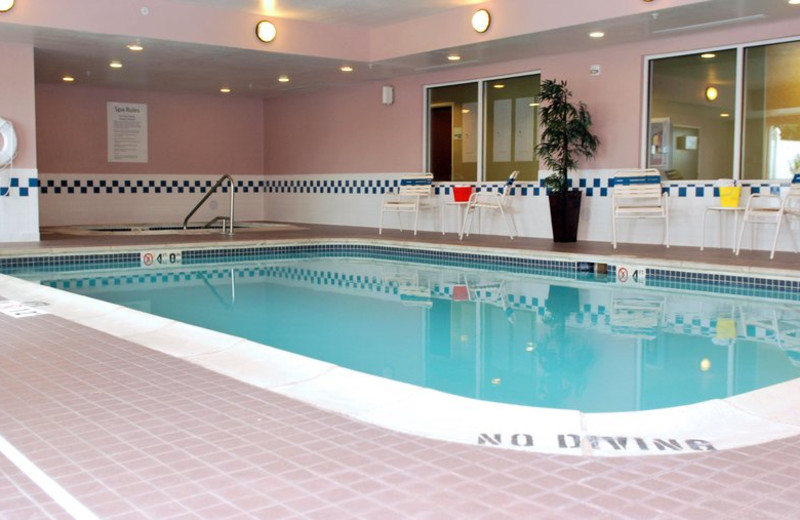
(692, 115)
(474, 138)
(772, 112)
(453, 132)
(511, 127)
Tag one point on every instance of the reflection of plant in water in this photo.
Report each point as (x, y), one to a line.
(564, 361)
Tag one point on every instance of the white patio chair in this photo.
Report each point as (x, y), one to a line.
(769, 208)
(637, 194)
(408, 197)
(498, 201)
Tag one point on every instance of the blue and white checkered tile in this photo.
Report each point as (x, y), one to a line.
(143, 186)
(19, 187)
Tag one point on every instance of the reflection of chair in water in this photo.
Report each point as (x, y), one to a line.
(765, 324)
(637, 315)
(492, 292)
(409, 287)
(408, 197)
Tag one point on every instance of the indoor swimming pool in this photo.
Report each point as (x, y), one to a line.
(538, 337)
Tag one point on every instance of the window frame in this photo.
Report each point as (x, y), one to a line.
(738, 133)
(481, 119)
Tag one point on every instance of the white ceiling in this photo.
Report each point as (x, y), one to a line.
(184, 67)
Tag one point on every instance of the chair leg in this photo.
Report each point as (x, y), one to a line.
(791, 235)
(465, 225)
(741, 234)
(614, 231)
(666, 230)
(416, 221)
(775, 239)
(380, 223)
(505, 219)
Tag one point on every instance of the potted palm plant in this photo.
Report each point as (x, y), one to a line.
(565, 140)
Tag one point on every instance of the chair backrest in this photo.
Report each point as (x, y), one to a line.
(421, 185)
(644, 184)
(505, 189)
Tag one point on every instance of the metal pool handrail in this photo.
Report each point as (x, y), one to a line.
(210, 192)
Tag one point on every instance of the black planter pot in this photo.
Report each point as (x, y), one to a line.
(565, 212)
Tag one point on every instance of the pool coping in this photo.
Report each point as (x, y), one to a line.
(753, 418)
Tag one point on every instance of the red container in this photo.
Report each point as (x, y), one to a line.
(462, 193)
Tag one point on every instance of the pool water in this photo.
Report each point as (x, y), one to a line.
(537, 340)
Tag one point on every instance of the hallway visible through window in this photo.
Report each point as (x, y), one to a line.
(696, 128)
(483, 130)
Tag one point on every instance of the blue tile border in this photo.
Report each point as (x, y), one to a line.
(601, 186)
(19, 186)
(786, 289)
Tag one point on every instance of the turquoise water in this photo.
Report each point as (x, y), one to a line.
(591, 345)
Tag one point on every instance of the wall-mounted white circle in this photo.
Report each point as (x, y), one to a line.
(266, 31)
(6, 5)
(481, 20)
(145, 11)
(8, 142)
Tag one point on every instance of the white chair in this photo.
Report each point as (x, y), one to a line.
(637, 194)
(768, 208)
(407, 198)
(498, 200)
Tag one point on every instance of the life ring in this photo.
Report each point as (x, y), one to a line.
(8, 142)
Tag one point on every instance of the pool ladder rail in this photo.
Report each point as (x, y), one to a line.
(225, 220)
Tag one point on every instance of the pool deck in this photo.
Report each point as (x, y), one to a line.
(95, 423)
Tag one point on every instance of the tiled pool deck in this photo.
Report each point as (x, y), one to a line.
(96, 425)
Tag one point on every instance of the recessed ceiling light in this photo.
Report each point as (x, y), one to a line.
(708, 55)
(135, 47)
(711, 93)
(533, 104)
(346, 68)
(597, 34)
(454, 57)
(481, 21)
(6, 5)
(724, 114)
(225, 90)
(266, 31)
(68, 79)
(465, 111)
(284, 79)
(498, 85)
(115, 64)
(791, 2)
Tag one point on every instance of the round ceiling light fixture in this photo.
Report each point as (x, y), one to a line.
(481, 20)
(266, 31)
(6, 5)
(712, 93)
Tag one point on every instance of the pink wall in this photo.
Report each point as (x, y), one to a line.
(347, 130)
(17, 102)
(188, 134)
